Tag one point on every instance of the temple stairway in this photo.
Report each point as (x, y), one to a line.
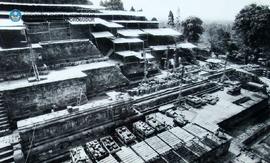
(6, 153)
(4, 124)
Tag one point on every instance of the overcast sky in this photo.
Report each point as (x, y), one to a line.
(212, 10)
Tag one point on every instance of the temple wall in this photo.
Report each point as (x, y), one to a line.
(12, 38)
(56, 34)
(50, 148)
(79, 121)
(48, 31)
(80, 32)
(16, 61)
(103, 79)
(68, 51)
(38, 99)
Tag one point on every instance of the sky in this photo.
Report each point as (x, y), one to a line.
(208, 10)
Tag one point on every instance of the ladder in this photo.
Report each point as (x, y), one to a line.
(224, 76)
(82, 98)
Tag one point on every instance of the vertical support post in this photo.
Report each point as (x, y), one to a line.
(49, 29)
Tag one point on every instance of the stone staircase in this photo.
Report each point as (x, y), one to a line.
(4, 123)
(6, 153)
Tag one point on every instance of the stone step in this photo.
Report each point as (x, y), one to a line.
(5, 147)
(3, 122)
(7, 159)
(3, 117)
(4, 132)
(3, 111)
(2, 108)
(6, 153)
(4, 126)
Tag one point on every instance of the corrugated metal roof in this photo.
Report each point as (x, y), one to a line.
(109, 159)
(105, 34)
(8, 24)
(162, 32)
(89, 21)
(181, 134)
(170, 139)
(127, 40)
(196, 148)
(135, 21)
(127, 155)
(158, 145)
(196, 130)
(145, 151)
(138, 55)
(131, 32)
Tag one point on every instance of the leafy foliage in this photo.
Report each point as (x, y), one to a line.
(112, 4)
(192, 29)
(252, 25)
(220, 40)
(154, 19)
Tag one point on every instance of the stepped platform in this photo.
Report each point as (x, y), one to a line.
(61, 87)
(226, 112)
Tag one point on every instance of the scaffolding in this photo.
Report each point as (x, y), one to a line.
(56, 30)
(224, 77)
(82, 98)
(33, 62)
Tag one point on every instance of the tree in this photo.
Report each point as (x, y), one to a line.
(219, 38)
(178, 20)
(171, 20)
(192, 29)
(252, 27)
(154, 19)
(113, 4)
(132, 9)
(101, 3)
(252, 24)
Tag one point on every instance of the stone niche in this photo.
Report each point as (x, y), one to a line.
(104, 78)
(38, 99)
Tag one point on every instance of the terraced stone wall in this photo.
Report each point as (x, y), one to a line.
(38, 99)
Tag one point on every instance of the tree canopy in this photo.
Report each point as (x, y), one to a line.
(219, 37)
(132, 9)
(192, 29)
(178, 20)
(112, 4)
(154, 19)
(171, 20)
(252, 24)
